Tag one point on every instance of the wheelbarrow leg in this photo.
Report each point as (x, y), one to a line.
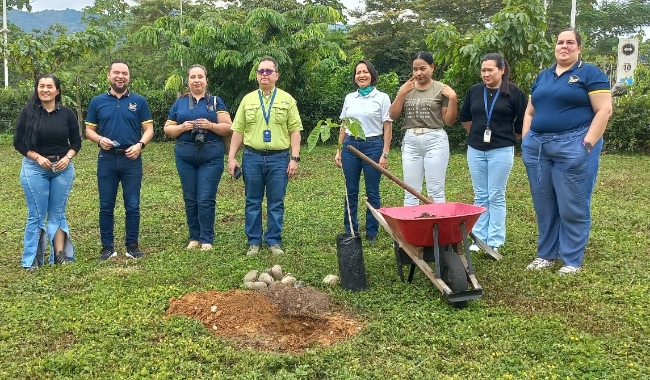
(411, 272)
(398, 260)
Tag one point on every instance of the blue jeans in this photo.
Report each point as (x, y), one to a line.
(352, 168)
(46, 194)
(490, 170)
(111, 170)
(425, 155)
(200, 171)
(265, 174)
(562, 176)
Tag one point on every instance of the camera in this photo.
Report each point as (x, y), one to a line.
(198, 135)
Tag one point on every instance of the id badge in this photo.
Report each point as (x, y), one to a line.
(267, 135)
(486, 135)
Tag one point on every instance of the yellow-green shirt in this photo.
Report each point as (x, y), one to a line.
(284, 119)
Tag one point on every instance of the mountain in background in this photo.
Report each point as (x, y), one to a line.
(44, 19)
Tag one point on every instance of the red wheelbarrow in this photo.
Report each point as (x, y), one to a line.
(434, 232)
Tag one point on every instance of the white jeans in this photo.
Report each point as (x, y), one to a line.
(425, 155)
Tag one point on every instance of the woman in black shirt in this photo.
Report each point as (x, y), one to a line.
(492, 114)
(47, 134)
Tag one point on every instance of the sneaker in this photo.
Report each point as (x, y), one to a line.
(495, 249)
(568, 269)
(276, 249)
(474, 248)
(371, 239)
(539, 264)
(253, 250)
(133, 252)
(31, 269)
(61, 258)
(193, 244)
(206, 247)
(106, 253)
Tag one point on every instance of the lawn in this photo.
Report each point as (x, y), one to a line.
(107, 320)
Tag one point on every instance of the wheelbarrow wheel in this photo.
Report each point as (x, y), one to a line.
(452, 272)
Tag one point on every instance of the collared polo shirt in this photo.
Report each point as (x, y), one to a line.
(562, 102)
(284, 119)
(119, 119)
(371, 110)
(187, 108)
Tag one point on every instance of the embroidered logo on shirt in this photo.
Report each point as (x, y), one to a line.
(573, 79)
(133, 106)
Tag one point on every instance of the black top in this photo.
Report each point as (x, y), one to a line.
(507, 116)
(58, 132)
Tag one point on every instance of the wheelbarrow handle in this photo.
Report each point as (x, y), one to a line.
(388, 174)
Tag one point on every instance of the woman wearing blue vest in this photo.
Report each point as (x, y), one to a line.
(570, 105)
(370, 106)
(492, 113)
(47, 134)
(199, 122)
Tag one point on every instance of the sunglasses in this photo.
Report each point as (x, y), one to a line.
(265, 71)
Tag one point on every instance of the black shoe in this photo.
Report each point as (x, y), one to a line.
(106, 253)
(371, 239)
(31, 269)
(133, 252)
(61, 258)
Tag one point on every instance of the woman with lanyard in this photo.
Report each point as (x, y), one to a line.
(492, 113)
(47, 134)
(370, 106)
(199, 122)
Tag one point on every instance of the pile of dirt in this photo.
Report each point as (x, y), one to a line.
(279, 318)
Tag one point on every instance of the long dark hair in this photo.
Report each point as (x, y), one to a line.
(501, 64)
(30, 119)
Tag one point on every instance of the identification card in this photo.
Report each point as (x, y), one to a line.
(267, 135)
(486, 135)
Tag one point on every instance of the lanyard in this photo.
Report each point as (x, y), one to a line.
(267, 116)
(488, 113)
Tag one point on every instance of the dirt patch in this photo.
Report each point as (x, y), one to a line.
(280, 318)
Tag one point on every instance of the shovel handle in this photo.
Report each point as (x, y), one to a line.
(389, 175)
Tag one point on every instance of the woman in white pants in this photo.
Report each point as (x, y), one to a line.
(428, 106)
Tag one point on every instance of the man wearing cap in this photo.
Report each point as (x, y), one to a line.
(268, 124)
(120, 122)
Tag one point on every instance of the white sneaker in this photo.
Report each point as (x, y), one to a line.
(568, 269)
(495, 249)
(474, 248)
(539, 264)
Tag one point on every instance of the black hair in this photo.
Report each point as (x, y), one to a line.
(29, 120)
(575, 33)
(501, 62)
(110, 66)
(271, 59)
(371, 69)
(424, 55)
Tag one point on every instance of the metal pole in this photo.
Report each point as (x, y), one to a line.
(4, 32)
(573, 13)
(180, 32)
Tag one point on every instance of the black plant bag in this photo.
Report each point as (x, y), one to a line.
(349, 250)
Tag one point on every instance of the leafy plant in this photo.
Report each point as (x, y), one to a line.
(323, 131)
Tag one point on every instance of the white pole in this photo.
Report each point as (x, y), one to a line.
(181, 28)
(573, 13)
(4, 32)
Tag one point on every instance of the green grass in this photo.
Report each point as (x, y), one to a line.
(107, 320)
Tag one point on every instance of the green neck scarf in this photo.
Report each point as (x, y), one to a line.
(366, 91)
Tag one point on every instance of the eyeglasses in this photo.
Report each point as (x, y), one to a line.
(265, 71)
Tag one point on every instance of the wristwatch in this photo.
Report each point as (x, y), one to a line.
(385, 155)
(142, 145)
(587, 146)
(69, 156)
(295, 158)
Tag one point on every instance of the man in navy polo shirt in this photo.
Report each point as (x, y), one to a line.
(116, 120)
